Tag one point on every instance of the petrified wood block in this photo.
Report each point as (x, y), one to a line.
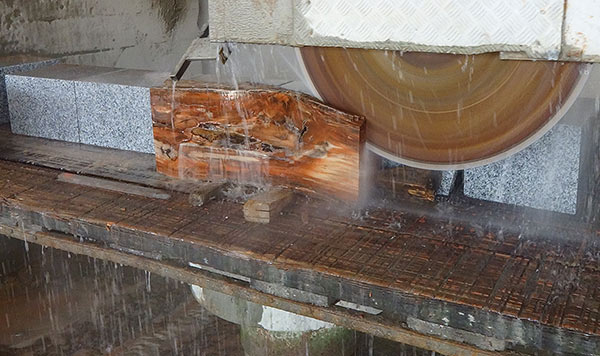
(256, 135)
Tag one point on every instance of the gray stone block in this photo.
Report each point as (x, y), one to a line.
(543, 176)
(446, 183)
(115, 116)
(112, 106)
(42, 107)
(16, 64)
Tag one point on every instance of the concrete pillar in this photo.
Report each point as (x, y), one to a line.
(269, 331)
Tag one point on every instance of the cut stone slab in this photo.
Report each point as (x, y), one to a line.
(114, 109)
(543, 176)
(42, 107)
(16, 64)
(446, 183)
(108, 107)
(115, 116)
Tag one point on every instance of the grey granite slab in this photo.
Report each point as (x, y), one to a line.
(108, 107)
(42, 107)
(446, 183)
(115, 109)
(116, 116)
(543, 176)
(16, 64)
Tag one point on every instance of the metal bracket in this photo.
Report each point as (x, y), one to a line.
(199, 49)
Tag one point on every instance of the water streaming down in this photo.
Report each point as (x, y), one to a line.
(243, 68)
(145, 313)
(55, 303)
(173, 104)
(60, 304)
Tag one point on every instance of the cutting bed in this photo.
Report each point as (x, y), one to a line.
(488, 278)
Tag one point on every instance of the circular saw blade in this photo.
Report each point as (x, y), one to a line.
(443, 111)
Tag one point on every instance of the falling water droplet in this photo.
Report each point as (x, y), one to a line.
(174, 85)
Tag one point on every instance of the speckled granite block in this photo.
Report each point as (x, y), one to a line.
(16, 64)
(446, 183)
(543, 176)
(115, 116)
(112, 106)
(42, 107)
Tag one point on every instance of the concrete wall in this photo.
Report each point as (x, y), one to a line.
(140, 34)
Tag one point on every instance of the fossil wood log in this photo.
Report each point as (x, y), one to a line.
(256, 135)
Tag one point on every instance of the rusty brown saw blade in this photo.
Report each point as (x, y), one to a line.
(443, 111)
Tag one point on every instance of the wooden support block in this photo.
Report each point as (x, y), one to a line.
(264, 207)
(122, 187)
(404, 181)
(205, 193)
(257, 135)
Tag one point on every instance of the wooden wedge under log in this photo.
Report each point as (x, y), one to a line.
(264, 207)
(256, 135)
(404, 181)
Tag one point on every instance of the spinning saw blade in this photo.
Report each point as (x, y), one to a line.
(443, 111)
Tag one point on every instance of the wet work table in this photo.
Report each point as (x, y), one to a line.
(456, 276)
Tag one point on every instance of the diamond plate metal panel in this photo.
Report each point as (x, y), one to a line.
(532, 26)
(521, 28)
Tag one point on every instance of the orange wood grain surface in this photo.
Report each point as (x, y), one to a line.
(257, 135)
